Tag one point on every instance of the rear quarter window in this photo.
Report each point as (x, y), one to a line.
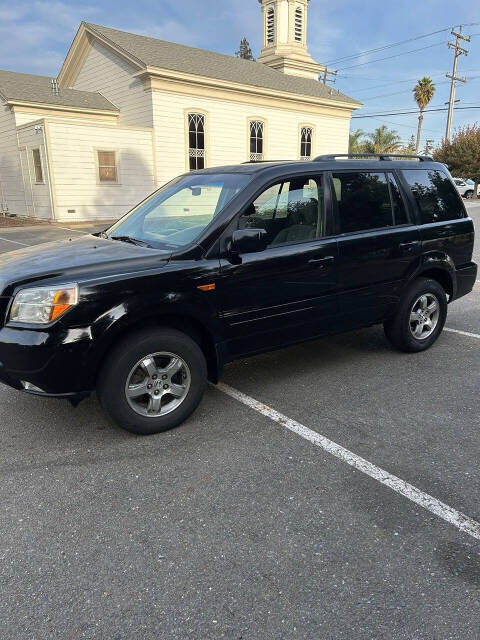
(436, 197)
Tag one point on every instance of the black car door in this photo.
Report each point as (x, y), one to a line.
(287, 292)
(378, 244)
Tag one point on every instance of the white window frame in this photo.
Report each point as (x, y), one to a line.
(191, 152)
(98, 166)
(301, 129)
(251, 155)
(42, 181)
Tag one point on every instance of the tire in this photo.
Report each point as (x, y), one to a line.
(468, 195)
(153, 380)
(404, 329)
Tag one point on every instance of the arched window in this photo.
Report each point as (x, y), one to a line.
(257, 130)
(299, 24)
(196, 141)
(306, 137)
(271, 26)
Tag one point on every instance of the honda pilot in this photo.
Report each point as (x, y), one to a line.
(228, 262)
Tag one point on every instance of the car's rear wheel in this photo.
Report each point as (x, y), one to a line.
(420, 316)
(153, 380)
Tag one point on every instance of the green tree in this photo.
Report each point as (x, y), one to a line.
(245, 51)
(423, 93)
(462, 154)
(408, 149)
(354, 144)
(382, 140)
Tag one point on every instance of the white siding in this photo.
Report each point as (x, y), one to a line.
(11, 185)
(227, 131)
(104, 71)
(39, 204)
(78, 193)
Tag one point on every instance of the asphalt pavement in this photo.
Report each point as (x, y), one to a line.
(233, 526)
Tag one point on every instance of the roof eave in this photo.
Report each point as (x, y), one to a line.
(12, 102)
(158, 72)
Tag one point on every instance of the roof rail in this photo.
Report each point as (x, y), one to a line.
(365, 156)
(265, 161)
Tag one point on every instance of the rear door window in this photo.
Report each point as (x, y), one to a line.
(363, 201)
(436, 197)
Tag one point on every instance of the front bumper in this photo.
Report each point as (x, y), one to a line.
(55, 362)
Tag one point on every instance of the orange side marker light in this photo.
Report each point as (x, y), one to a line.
(207, 287)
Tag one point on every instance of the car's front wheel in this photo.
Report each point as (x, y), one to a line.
(468, 195)
(420, 316)
(153, 380)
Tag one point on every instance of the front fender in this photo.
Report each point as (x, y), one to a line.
(136, 312)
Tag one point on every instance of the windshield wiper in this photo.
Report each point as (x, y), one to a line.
(131, 240)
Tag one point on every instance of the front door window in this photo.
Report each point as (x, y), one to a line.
(291, 211)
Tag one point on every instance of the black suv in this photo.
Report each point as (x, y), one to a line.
(228, 262)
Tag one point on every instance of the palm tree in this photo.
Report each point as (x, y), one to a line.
(423, 92)
(354, 144)
(382, 140)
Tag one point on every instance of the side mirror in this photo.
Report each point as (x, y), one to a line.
(248, 241)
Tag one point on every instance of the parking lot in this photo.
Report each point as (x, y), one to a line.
(327, 490)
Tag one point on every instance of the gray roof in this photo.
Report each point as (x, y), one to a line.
(25, 87)
(152, 52)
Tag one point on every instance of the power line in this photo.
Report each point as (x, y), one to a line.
(406, 126)
(386, 95)
(387, 46)
(397, 44)
(403, 53)
(404, 113)
(389, 84)
(396, 93)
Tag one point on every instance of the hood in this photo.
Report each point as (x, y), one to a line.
(82, 258)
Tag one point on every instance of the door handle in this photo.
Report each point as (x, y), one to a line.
(322, 262)
(408, 247)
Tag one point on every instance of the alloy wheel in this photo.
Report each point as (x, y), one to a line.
(158, 384)
(424, 316)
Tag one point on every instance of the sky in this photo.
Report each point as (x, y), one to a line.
(35, 37)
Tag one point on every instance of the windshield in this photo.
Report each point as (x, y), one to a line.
(175, 215)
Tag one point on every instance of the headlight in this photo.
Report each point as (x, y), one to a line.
(43, 305)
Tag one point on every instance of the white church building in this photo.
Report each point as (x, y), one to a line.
(127, 113)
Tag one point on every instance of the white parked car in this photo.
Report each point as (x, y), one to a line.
(465, 187)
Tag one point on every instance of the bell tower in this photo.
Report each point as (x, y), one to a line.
(285, 38)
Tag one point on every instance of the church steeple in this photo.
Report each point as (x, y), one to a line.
(285, 38)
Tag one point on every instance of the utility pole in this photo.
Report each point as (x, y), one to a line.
(459, 51)
(326, 73)
(428, 146)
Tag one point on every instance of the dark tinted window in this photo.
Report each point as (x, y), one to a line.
(363, 201)
(437, 198)
(399, 211)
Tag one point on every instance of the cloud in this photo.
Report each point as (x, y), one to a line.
(34, 36)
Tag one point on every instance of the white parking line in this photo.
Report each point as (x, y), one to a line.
(462, 333)
(15, 242)
(440, 509)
